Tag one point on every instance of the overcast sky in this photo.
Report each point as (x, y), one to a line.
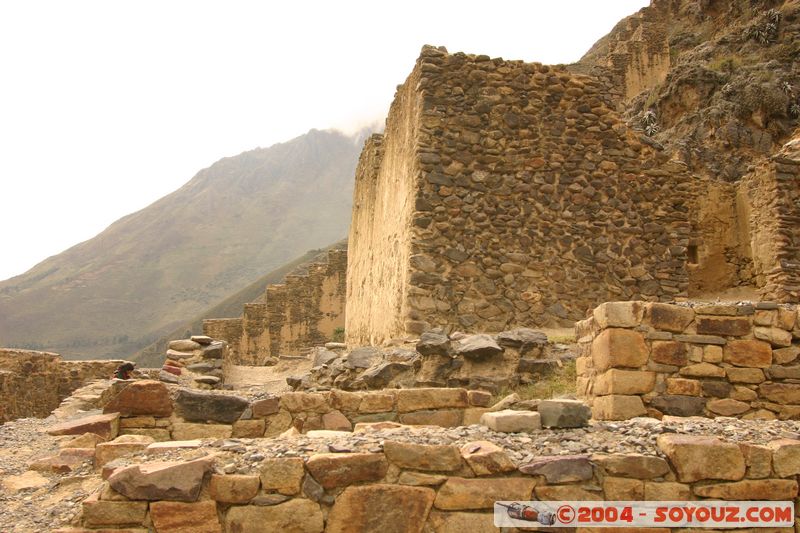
(105, 106)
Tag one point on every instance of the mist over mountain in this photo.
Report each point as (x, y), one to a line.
(146, 273)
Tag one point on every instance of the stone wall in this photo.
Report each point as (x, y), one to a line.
(506, 193)
(653, 359)
(414, 487)
(302, 312)
(33, 384)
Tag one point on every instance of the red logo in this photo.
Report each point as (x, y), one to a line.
(566, 514)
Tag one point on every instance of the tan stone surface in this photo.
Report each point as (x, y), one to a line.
(696, 458)
(87, 440)
(179, 517)
(461, 522)
(108, 451)
(782, 393)
(748, 353)
(27, 480)
(401, 509)
(623, 489)
(617, 407)
(566, 492)
(687, 387)
(785, 457)
(703, 370)
(617, 348)
(486, 458)
(669, 353)
(106, 425)
(97, 513)
(284, 474)
(341, 469)
(616, 381)
(145, 397)
(727, 407)
(375, 402)
(750, 489)
(618, 314)
(420, 479)
(436, 417)
(758, 460)
(632, 465)
(462, 493)
(745, 375)
(233, 488)
(294, 516)
(191, 431)
(668, 317)
(434, 458)
(431, 398)
(667, 491)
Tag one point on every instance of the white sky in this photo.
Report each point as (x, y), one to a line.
(105, 106)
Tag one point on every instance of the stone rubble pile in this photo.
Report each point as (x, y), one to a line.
(201, 356)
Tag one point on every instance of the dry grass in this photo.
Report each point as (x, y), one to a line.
(560, 382)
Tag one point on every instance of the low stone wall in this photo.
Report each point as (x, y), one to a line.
(150, 408)
(33, 384)
(414, 487)
(652, 359)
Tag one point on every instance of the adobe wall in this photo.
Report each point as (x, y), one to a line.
(532, 201)
(33, 384)
(653, 359)
(302, 312)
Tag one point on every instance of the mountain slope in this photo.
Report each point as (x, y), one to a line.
(145, 274)
(153, 355)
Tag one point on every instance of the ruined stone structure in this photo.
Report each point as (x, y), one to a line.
(32, 383)
(654, 359)
(504, 193)
(305, 310)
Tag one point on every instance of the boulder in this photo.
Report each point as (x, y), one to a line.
(388, 508)
(433, 343)
(146, 397)
(522, 339)
(564, 413)
(560, 468)
(509, 421)
(477, 347)
(195, 406)
(106, 426)
(175, 481)
(363, 357)
(322, 356)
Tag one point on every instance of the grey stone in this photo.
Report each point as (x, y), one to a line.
(203, 340)
(265, 500)
(509, 421)
(433, 343)
(784, 372)
(560, 468)
(379, 376)
(524, 339)
(537, 366)
(363, 357)
(195, 406)
(214, 350)
(312, 490)
(322, 356)
(208, 380)
(679, 405)
(201, 368)
(564, 413)
(478, 347)
(167, 377)
(700, 339)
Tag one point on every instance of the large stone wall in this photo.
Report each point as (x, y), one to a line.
(506, 193)
(653, 359)
(302, 312)
(33, 384)
(409, 486)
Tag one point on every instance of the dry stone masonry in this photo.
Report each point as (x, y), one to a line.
(655, 359)
(306, 310)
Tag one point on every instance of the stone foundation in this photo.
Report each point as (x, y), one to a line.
(640, 359)
(33, 384)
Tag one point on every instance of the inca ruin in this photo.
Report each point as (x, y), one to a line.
(561, 283)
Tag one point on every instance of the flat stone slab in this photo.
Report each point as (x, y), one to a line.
(209, 407)
(105, 425)
(174, 481)
(510, 421)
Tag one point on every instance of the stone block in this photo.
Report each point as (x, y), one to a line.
(623, 489)
(157, 434)
(560, 468)
(283, 474)
(750, 489)
(712, 354)
(175, 481)
(726, 327)
(677, 405)
(782, 393)
(106, 425)
(463, 494)
(702, 370)
(265, 407)
(618, 314)
(567, 413)
(479, 398)
(665, 491)
(87, 440)
(727, 407)
(510, 421)
(669, 353)
(668, 317)
(179, 517)
(65, 461)
(743, 394)
(251, 429)
(486, 458)
(445, 418)
(685, 387)
(697, 458)
(477, 347)
(420, 479)
(194, 406)
(717, 389)
(109, 451)
(341, 469)
(617, 407)
(376, 402)
(336, 421)
(460, 522)
(145, 397)
(785, 457)
(184, 345)
(401, 509)
(632, 465)
(758, 460)
(616, 381)
(473, 415)
(618, 348)
(567, 493)
(748, 353)
(137, 422)
(701, 339)
(745, 375)
(433, 458)
(99, 513)
(781, 356)
(232, 488)
(784, 372)
(430, 398)
(297, 515)
(188, 431)
(777, 337)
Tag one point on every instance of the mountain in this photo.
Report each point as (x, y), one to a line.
(149, 271)
(719, 80)
(153, 355)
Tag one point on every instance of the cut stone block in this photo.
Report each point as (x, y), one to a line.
(615, 348)
(565, 413)
(509, 421)
(617, 407)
